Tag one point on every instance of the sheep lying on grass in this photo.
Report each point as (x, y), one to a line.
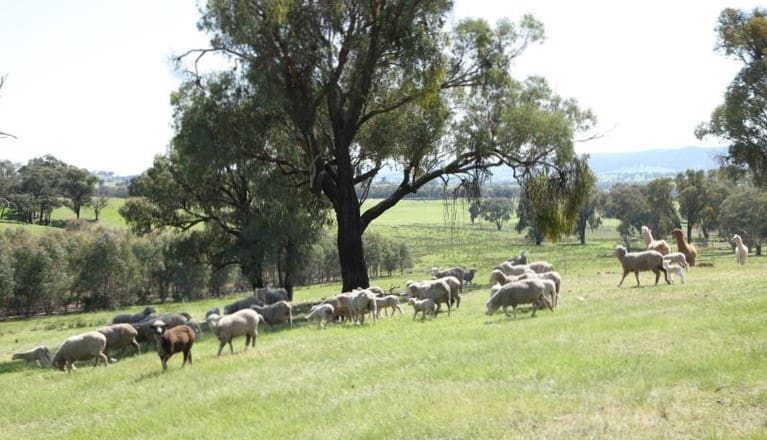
(424, 306)
(323, 313)
(280, 312)
(169, 341)
(134, 317)
(119, 337)
(40, 355)
(741, 251)
(640, 262)
(241, 323)
(82, 347)
(674, 269)
(530, 291)
(652, 244)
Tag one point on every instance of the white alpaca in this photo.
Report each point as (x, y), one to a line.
(674, 269)
(655, 245)
(741, 251)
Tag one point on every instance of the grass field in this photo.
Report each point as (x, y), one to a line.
(679, 361)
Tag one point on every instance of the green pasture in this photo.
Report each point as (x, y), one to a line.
(668, 361)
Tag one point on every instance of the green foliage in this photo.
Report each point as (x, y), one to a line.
(743, 213)
(740, 119)
(497, 211)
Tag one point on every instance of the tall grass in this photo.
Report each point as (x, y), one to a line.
(680, 361)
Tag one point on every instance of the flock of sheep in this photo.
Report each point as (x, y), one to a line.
(513, 282)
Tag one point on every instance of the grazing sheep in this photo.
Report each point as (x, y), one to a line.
(361, 303)
(129, 318)
(555, 278)
(388, 301)
(530, 291)
(119, 337)
(497, 276)
(323, 313)
(688, 249)
(639, 262)
(511, 270)
(424, 306)
(340, 309)
(277, 313)
(676, 258)
(519, 259)
(244, 303)
(436, 290)
(457, 272)
(241, 323)
(82, 347)
(674, 269)
(38, 354)
(652, 244)
(741, 251)
(270, 295)
(169, 341)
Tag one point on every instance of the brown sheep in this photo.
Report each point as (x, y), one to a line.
(173, 340)
(688, 249)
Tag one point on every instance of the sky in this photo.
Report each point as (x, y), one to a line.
(88, 81)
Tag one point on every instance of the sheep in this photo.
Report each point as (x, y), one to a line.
(129, 318)
(519, 259)
(688, 249)
(276, 313)
(378, 291)
(211, 311)
(119, 337)
(741, 251)
(244, 303)
(436, 290)
(555, 278)
(497, 276)
(270, 295)
(82, 347)
(511, 270)
(468, 276)
(340, 308)
(652, 244)
(37, 354)
(361, 303)
(241, 323)
(424, 306)
(530, 291)
(195, 326)
(385, 302)
(640, 261)
(455, 288)
(674, 269)
(323, 313)
(169, 341)
(457, 272)
(677, 258)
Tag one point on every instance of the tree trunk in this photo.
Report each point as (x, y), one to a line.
(689, 231)
(350, 251)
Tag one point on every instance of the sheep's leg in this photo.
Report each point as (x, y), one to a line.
(221, 347)
(138, 347)
(535, 307)
(665, 275)
(624, 277)
(636, 274)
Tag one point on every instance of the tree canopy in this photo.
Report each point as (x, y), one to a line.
(336, 92)
(741, 119)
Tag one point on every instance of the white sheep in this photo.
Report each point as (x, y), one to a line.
(426, 305)
(361, 303)
(240, 323)
(82, 347)
(457, 272)
(741, 251)
(178, 339)
(386, 302)
(514, 270)
(639, 262)
(323, 313)
(653, 244)
(119, 337)
(436, 290)
(532, 291)
(549, 280)
(676, 257)
(519, 259)
(674, 269)
(455, 288)
(38, 354)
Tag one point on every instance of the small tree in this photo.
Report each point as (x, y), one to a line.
(497, 211)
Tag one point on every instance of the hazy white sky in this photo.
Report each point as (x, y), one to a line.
(88, 81)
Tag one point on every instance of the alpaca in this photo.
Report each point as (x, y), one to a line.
(688, 249)
(741, 251)
(652, 244)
